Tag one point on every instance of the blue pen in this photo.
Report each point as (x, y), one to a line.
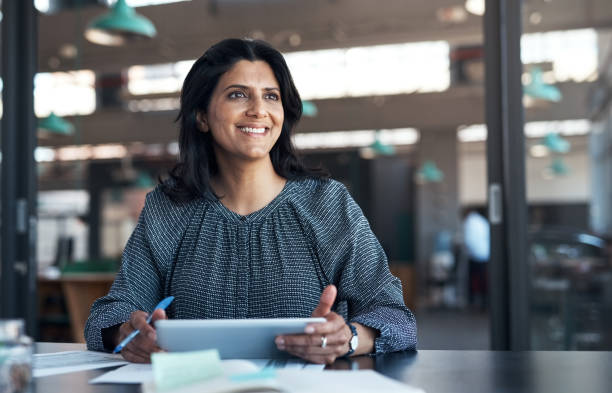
(161, 305)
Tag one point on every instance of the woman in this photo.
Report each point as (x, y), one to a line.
(243, 230)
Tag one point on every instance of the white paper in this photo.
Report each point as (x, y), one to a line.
(140, 373)
(366, 381)
(136, 373)
(70, 361)
(302, 381)
(131, 373)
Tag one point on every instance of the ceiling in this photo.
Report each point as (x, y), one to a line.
(186, 29)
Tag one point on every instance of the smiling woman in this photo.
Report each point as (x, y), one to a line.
(242, 229)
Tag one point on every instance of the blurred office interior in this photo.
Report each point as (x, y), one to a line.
(395, 106)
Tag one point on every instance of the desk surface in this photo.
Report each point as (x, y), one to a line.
(433, 371)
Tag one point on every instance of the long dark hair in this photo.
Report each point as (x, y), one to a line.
(190, 177)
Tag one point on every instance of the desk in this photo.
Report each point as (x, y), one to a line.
(434, 371)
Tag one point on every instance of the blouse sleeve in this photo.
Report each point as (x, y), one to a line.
(137, 286)
(354, 260)
(145, 266)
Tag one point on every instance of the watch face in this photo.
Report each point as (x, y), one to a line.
(354, 342)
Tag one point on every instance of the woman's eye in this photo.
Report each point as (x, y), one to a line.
(272, 96)
(237, 94)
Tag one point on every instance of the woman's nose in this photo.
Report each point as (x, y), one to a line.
(256, 108)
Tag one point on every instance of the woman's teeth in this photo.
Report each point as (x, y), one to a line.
(252, 130)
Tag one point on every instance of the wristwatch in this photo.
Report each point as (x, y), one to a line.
(354, 341)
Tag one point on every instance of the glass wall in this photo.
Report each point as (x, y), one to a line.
(566, 79)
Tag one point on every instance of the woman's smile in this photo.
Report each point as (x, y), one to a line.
(254, 130)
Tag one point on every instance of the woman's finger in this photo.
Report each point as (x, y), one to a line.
(139, 321)
(319, 359)
(334, 322)
(336, 350)
(133, 355)
(145, 343)
(339, 337)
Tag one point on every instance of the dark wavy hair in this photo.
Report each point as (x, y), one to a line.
(190, 177)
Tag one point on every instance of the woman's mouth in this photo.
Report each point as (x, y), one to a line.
(252, 130)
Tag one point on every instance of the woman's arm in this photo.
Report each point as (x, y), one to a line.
(356, 263)
(137, 286)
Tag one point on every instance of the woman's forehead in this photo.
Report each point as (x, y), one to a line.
(256, 73)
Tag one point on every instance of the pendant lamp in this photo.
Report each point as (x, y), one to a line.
(539, 89)
(558, 167)
(429, 173)
(309, 109)
(381, 148)
(54, 124)
(555, 143)
(119, 25)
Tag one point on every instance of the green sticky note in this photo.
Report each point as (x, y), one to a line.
(171, 370)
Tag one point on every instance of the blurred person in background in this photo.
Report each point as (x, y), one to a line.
(476, 238)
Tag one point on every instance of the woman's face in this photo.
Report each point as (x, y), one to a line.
(245, 114)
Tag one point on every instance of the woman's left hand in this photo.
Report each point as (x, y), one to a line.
(323, 342)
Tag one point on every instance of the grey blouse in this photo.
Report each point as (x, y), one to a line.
(272, 263)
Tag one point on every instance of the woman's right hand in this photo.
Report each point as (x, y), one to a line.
(141, 347)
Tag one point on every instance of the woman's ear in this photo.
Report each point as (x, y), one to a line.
(202, 123)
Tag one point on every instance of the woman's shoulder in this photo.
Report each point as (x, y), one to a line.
(321, 197)
(320, 188)
(160, 208)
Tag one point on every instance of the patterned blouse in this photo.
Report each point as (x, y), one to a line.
(272, 263)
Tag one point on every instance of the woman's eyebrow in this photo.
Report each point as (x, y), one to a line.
(235, 86)
(244, 87)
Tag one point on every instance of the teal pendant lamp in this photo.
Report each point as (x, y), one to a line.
(144, 180)
(555, 143)
(54, 124)
(380, 148)
(558, 167)
(539, 89)
(429, 173)
(121, 24)
(309, 109)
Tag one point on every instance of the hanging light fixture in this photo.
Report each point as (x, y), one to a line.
(429, 173)
(121, 24)
(54, 124)
(555, 143)
(376, 148)
(381, 148)
(309, 109)
(538, 89)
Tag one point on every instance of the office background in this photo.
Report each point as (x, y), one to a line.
(398, 107)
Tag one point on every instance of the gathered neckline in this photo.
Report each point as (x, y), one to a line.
(258, 214)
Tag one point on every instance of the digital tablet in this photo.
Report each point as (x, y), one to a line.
(233, 338)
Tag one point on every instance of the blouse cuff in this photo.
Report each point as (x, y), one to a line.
(397, 328)
(106, 317)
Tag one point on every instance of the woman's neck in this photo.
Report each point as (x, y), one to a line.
(246, 188)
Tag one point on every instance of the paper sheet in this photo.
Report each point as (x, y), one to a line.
(133, 373)
(140, 373)
(65, 362)
(366, 381)
(304, 381)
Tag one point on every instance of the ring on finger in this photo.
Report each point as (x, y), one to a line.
(323, 341)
